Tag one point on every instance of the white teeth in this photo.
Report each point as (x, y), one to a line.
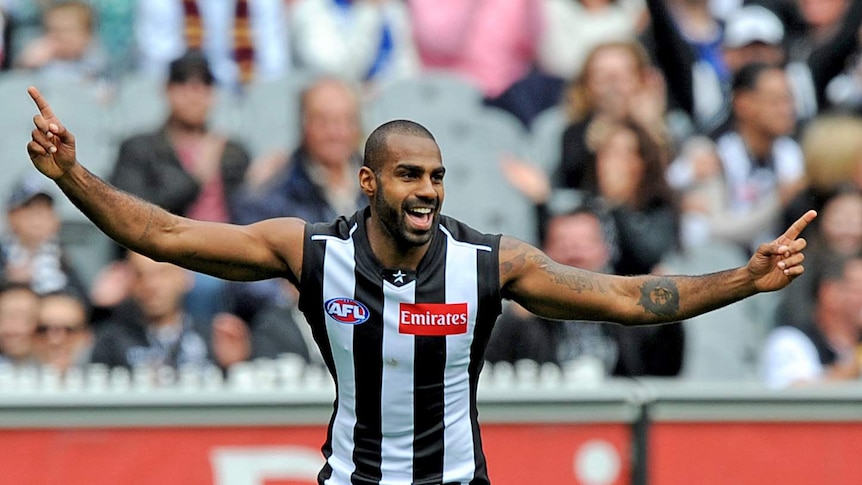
(423, 210)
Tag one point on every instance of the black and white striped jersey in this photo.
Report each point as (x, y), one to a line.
(405, 349)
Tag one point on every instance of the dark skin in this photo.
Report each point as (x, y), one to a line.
(406, 194)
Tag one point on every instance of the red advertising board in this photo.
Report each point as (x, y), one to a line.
(792, 453)
(517, 454)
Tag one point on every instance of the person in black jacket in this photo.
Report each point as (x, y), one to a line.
(186, 168)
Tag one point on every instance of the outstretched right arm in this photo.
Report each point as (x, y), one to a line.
(263, 250)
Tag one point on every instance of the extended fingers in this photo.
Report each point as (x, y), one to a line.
(796, 228)
(41, 103)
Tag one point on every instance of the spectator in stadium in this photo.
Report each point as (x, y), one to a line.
(63, 337)
(699, 57)
(762, 165)
(19, 316)
(152, 326)
(69, 49)
(699, 79)
(628, 178)
(838, 234)
(585, 238)
(818, 49)
(824, 349)
(31, 252)
(243, 40)
(316, 182)
(275, 328)
(492, 44)
(617, 82)
(185, 167)
(832, 148)
(575, 27)
(365, 41)
(152, 329)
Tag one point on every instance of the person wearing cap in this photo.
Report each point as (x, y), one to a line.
(184, 166)
(31, 250)
(699, 74)
(752, 34)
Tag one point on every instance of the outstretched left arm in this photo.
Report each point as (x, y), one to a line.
(552, 290)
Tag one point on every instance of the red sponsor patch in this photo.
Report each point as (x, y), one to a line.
(431, 319)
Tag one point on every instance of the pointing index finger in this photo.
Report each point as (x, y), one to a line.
(41, 103)
(796, 228)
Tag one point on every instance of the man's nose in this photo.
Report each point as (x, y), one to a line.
(426, 188)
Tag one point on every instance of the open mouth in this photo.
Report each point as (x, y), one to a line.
(420, 217)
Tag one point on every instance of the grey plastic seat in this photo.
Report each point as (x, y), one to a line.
(546, 138)
(269, 113)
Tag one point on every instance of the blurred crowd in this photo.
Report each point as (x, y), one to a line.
(689, 132)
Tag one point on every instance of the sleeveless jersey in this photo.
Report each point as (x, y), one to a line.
(405, 349)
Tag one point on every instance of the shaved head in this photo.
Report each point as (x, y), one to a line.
(375, 147)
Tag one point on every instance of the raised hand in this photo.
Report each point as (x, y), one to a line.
(52, 146)
(777, 263)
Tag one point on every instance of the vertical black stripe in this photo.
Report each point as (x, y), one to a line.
(428, 375)
(368, 364)
(488, 311)
(311, 304)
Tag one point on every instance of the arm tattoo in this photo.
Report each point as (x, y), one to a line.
(517, 262)
(660, 296)
(574, 280)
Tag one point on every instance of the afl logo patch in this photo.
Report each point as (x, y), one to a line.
(346, 310)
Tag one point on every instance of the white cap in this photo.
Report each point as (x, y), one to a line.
(751, 24)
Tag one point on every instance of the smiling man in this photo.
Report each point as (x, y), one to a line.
(400, 298)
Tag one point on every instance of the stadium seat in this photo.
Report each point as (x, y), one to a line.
(723, 344)
(430, 95)
(476, 191)
(546, 138)
(139, 105)
(269, 114)
(16, 123)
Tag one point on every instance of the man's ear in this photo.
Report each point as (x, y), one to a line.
(367, 181)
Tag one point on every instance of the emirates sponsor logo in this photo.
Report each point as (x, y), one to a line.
(432, 319)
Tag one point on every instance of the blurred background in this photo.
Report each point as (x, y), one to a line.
(621, 136)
